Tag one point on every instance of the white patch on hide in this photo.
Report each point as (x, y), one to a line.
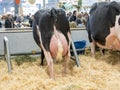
(117, 27)
(60, 48)
(60, 51)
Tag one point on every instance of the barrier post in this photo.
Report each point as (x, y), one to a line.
(75, 53)
(7, 54)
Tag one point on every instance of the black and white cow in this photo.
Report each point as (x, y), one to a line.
(52, 34)
(103, 26)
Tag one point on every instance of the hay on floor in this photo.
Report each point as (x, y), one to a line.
(93, 74)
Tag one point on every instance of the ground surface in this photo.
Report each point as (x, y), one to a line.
(100, 74)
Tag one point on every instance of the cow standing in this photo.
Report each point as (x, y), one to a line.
(103, 26)
(52, 33)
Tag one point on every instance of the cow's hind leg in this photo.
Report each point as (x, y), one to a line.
(42, 58)
(47, 55)
(66, 63)
(102, 51)
(68, 55)
(93, 49)
(50, 64)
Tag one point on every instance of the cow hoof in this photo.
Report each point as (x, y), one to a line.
(66, 72)
(41, 64)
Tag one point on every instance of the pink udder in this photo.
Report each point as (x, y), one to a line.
(56, 38)
(113, 43)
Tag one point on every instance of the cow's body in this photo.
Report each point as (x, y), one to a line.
(52, 33)
(103, 26)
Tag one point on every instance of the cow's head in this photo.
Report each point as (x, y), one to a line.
(117, 26)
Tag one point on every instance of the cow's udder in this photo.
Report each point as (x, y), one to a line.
(112, 41)
(58, 45)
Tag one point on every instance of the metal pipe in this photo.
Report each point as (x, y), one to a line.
(7, 54)
(75, 53)
(16, 8)
(43, 4)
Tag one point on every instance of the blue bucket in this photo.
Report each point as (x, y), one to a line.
(80, 47)
(80, 44)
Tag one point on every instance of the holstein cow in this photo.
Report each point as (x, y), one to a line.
(52, 34)
(103, 26)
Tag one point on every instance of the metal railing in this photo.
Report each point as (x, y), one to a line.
(27, 31)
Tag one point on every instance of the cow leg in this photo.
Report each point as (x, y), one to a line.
(67, 57)
(102, 51)
(42, 58)
(49, 60)
(66, 63)
(49, 63)
(93, 49)
(47, 56)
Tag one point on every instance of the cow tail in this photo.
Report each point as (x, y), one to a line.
(40, 39)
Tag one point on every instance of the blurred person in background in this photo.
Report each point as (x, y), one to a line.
(69, 14)
(31, 20)
(73, 17)
(9, 22)
(84, 17)
(0, 21)
(3, 21)
(79, 20)
(18, 22)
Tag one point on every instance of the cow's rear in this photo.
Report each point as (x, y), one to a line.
(52, 33)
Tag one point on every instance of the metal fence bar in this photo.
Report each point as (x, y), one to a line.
(75, 53)
(7, 54)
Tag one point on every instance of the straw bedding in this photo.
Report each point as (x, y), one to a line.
(102, 73)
